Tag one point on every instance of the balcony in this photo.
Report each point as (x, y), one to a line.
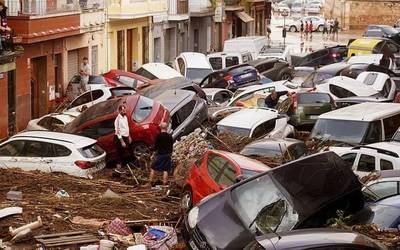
(200, 6)
(92, 5)
(41, 7)
(178, 10)
(128, 9)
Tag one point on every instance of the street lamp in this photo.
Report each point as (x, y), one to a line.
(285, 13)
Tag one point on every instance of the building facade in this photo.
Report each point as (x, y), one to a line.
(201, 26)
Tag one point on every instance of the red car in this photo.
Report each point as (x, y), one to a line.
(144, 118)
(126, 78)
(215, 171)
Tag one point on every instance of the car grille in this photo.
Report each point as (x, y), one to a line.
(200, 239)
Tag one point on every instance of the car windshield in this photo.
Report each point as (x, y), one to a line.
(264, 211)
(143, 109)
(91, 151)
(97, 80)
(197, 74)
(315, 78)
(262, 151)
(351, 132)
(245, 132)
(248, 173)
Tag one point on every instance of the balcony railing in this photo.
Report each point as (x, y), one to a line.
(178, 7)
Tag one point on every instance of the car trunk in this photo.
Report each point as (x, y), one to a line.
(311, 105)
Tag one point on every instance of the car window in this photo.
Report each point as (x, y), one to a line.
(45, 122)
(246, 57)
(216, 62)
(143, 109)
(181, 65)
(366, 163)
(12, 148)
(310, 98)
(222, 97)
(61, 151)
(265, 66)
(391, 124)
(37, 149)
(55, 124)
(231, 61)
(75, 79)
(91, 151)
(128, 81)
(228, 176)
(297, 150)
(215, 164)
(384, 189)
(186, 110)
(145, 73)
(97, 80)
(340, 92)
(263, 128)
(349, 158)
(374, 133)
(121, 91)
(99, 129)
(386, 165)
(87, 97)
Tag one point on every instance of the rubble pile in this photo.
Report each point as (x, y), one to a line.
(391, 238)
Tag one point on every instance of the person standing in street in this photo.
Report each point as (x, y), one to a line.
(122, 138)
(301, 30)
(310, 29)
(163, 152)
(331, 27)
(336, 30)
(268, 31)
(306, 30)
(84, 72)
(272, 99)
(325, 34)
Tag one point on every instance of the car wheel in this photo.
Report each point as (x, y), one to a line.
(187, 199)
(293, 29)
(320, 28)
(286, 76)
(140, 149)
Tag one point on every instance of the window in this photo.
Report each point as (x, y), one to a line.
(61, 151)
(297, 150)
(265, 66)
(386, 165)
(386, 88)
(100, 129)
(216, 62)
(37, 149)
(340, 92)
(349, 158)
(247, 57)
(391, 124)
(263, 129)
(91, 151)
(181, 65)
(12, 148)
(374, 133)
(128, 81)
(87, 97)
(145, 73)
(222, 97)
(311, 98)
(366, 163)
(143, 109)
(45, 122)
(385, 189)
(51, 123)
(228, 176)
(121, 91)
(214, 165)
(231, 61)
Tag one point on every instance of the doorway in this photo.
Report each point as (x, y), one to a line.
(196, 40)
(145, 39)
(12, 129)
(58, 75)
(38, 86)
(121, 49)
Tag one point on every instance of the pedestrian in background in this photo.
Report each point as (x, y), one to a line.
(325, 34)
(310, 29)
(268, 31)
(336, 30)
(306, 30)
(84, 72)
(163, 153)
(301, 29)
(122, 138)
(331, 27)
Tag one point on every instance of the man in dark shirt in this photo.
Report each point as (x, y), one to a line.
(272, 100)
(163, 152)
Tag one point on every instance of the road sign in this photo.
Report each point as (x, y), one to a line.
(285, 13)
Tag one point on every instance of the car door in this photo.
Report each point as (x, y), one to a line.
(61, 161)
(10, 152)
(87, 99)
(36, 155)
(186, 122)
(103, 132)
(366, 164)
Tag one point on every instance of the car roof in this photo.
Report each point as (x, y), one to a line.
(357, 87)
(389, 146)
(227, 53)
(65, 117)
(365, 42)
(78, 141)
(245, 162)
(172, 98)
(195, 60)
(363, 112)
(248, 118)
(260, 61)
(365, 59)
(161, 70)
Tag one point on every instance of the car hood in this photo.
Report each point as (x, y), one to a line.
(333, 68)
(361, 99)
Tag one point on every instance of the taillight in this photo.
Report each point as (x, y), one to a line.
(84, 164)
(239, 104)
(294, 98)
(228, 78)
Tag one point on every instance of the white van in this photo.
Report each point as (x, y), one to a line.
(253, 44)
(221, 60)
(359, 124)
(193, 66)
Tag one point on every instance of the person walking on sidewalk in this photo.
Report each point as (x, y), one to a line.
(306, 30)
(325, 34)
(310, 29)
(163, 153)
(122, 138)
(336, 30)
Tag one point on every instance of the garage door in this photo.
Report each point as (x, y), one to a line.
(73, 63)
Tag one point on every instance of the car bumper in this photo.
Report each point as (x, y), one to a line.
(193, 238)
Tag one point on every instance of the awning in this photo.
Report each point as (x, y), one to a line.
(244, 16)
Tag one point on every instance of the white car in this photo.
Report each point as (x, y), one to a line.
(372, 157)
(92, 97)
(218, 96)
(221, 60)
(257, 123)
(380, 82)
(193, 65)
(387, 184)
(154, 71)
(252, 44)
(276, 50)
(343, 86)
(52, 152)
(52, 122)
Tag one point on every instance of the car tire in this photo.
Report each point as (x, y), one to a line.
(286, 76)
(292, 29)
(140, 148)
(186, 199)
(320, 28)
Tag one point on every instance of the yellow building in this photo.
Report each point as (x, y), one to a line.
(129, 32)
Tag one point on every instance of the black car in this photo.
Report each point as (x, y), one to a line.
(385, 31)
(232, 78)
(274, 69)
(304, 193)
(317, 239)
(321, 57)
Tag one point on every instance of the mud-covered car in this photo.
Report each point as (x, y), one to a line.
(273, 68)
(301, 194)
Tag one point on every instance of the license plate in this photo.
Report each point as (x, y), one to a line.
(314, 116)
(192, 245)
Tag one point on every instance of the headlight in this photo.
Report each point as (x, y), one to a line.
(192, 217)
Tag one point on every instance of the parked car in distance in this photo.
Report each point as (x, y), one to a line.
(256, 123)
(231, 78)
(215, 171)
(320, 57)
(52, 122)
(383, 213)
(273, 68)
(95, 82)
(144, 119)
(371, 45)
(379, 30)
(128, 79)
(173, 83)
(221, 60)
(187, 110)
(155, 71)
(52, 152)
(286, 148)
(91, 97)
(359, 124)
(252, 44)
(387, 184)
(217, 96)
(282, 199)
(193, 65)
(316, 238)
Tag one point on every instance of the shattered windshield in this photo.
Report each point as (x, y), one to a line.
(315, 78)
(263, 207)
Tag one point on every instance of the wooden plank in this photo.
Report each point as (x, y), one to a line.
(44, 236)
(71, 243)
(62, 239)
